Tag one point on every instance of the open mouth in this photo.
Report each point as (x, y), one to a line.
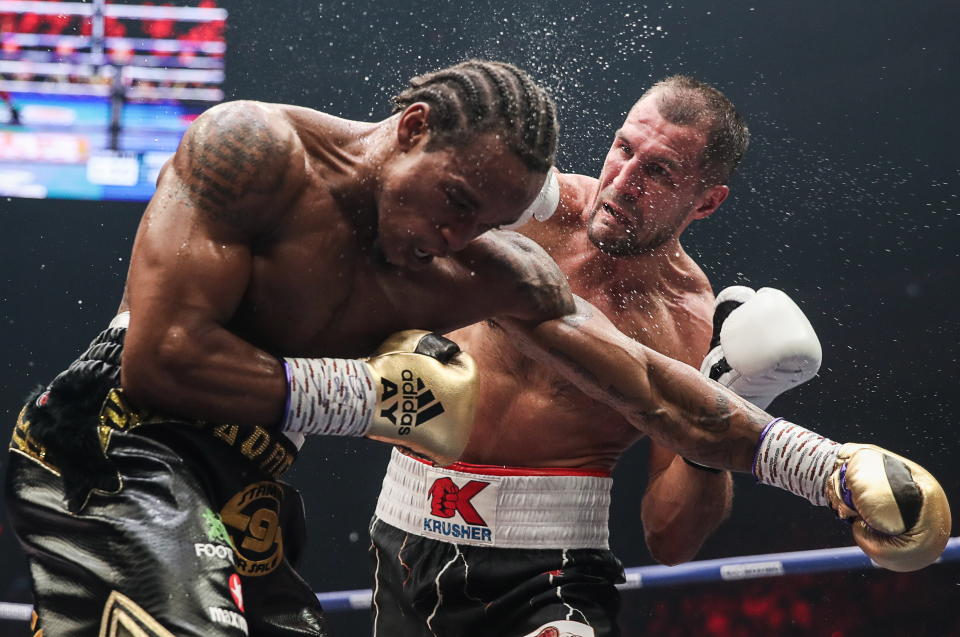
(620, 218)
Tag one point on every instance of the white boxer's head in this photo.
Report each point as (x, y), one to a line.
(667, 166)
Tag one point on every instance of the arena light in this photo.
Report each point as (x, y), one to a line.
(187, 14)
(210, 47)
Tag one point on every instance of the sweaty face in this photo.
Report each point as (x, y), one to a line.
(432, 203)
(650, 185)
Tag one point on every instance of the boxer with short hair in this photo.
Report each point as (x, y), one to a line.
(281, 247)
(513, 540)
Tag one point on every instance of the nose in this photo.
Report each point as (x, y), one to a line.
(458, 235)
(628, 182)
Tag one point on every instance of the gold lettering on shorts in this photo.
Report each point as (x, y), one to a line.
(256, 443)
(278, 461)
(252, 516)
(227, 433)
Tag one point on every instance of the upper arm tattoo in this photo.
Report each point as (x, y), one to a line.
(227, 153)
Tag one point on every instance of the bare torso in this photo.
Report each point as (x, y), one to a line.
(291, 267)
(529, 415)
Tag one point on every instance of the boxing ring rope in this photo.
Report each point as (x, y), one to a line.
(704, 571)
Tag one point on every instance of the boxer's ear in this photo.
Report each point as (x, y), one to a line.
(710, 200)
(413, 127)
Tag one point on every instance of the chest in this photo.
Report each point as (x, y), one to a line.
(318, 291)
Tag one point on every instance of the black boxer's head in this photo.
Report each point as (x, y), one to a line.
(473, 146)
(668, 166)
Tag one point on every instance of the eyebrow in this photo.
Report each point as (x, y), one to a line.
(463, 191)
(660, 158)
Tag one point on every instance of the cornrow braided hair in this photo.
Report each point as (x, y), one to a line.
(479, 96)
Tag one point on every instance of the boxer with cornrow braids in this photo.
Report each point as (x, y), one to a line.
(282, 249)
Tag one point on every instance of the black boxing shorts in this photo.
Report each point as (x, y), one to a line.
(138, 524)
(475, 551)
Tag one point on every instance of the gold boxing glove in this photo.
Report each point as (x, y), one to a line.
(899, 512)
(418, 390)
(426, 394)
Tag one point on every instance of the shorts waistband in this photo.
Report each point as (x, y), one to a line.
(271, 452)
(497, 507)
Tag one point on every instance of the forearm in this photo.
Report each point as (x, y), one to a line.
(666, 399)
(681, 508)
(203, 372)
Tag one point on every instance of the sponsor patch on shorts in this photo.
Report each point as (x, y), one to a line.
(214, 551)
(462, 508)
(227, 617)
(236, 591)
(252, 517)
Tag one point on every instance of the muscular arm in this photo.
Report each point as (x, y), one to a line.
(664, 398)
(682, 506)
(191, 263)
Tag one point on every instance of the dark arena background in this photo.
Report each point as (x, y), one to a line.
(848, 200)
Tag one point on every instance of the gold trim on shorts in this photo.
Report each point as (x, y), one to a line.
(122, 617)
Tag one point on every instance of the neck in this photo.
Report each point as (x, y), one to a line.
(660, 267)
(356, 176)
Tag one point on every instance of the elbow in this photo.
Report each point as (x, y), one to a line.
(149, 367)
(666, 550)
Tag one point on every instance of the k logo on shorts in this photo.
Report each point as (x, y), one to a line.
(252, 517)
(446, 499)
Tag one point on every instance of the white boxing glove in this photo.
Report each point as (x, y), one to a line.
(762, 344)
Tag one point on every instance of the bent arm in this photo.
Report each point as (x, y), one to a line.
(682, 506)
(664, 398)
(190, 268)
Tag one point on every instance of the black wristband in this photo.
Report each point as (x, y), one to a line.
(701, 467)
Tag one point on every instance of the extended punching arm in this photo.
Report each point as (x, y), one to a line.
(900, 514)
(666, 399)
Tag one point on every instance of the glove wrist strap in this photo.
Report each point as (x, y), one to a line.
(328, 397)
(795, 459)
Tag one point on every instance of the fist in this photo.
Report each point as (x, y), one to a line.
(899, 512)
(443, 498)
(762, 344)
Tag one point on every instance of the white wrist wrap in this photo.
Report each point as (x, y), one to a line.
(795, 459)
(328, 396)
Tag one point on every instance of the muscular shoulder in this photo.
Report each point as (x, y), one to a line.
(238, 151)
(699, 291)
(530, 285)
(576, 193)
(696, 330)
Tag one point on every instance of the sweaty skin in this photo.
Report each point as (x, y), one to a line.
(263, 240)
(667, 306)
(530, 414)
(649, 191)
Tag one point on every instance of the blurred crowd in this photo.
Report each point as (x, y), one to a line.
(833, 605)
